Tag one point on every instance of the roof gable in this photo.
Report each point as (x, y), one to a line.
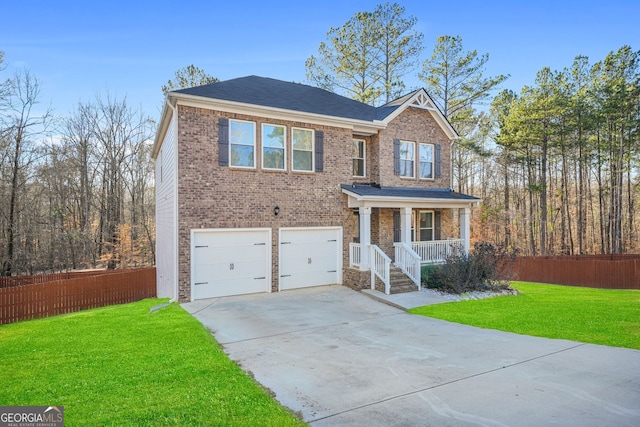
(420, 99)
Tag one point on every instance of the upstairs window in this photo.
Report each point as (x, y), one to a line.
(302, 150)
(407, 159)
(273, 147)
(242, 144)
(359, 158)
(426, 161)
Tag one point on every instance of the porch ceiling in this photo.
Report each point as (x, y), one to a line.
(360, 195)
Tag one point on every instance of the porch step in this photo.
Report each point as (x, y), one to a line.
(400, 282)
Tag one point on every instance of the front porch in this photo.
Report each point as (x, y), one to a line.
(415, 238)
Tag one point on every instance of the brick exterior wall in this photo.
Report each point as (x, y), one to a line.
(357, 279)
(418, 126)
(213, 196)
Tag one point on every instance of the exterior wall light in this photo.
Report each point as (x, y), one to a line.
(276, 210)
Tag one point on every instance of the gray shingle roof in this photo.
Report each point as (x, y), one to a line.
(421, 193)
(290, 96)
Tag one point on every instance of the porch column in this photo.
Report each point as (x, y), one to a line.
(465, 227)
(405, 225)
(365, 236)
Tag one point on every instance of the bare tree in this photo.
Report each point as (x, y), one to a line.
(21, 125)
(80, 149)
(119, 131)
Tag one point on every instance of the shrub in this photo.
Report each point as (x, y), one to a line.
(426, 272)
(482, 270)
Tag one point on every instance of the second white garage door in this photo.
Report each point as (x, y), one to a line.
(310, 257)
(230, 262)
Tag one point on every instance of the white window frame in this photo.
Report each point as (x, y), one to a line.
(284, 147)
(415, 229)
(313, 148)
(433, 163)
(363, 158)
(413, 160)
(231, 121)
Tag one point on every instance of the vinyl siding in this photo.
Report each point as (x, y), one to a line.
(166, 214)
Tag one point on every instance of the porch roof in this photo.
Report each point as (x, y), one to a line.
(378, 196)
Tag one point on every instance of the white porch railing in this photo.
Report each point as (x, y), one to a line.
(380, 266)
(354, 255)
(436, 251)
(409, 261)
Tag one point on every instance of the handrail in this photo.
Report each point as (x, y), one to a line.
(380, 266)
(408, 261)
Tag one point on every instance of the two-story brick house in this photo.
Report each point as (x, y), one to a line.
(264, 185)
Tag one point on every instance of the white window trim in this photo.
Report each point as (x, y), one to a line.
(255, 153)
(433, 161)
(284, 153)
(413, 172)
(417, 229)
(313, 150)
(364, 158)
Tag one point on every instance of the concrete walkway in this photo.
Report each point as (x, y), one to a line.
(407, 300)
(341, 358)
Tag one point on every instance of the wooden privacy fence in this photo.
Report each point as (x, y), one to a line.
(35, 300)
(6, 282)
(595, 271)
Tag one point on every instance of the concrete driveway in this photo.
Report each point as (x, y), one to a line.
(341, 358)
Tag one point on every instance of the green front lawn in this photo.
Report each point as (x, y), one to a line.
(597, 316)
(125, 366)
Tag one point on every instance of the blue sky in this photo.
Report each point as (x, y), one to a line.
(79, 49)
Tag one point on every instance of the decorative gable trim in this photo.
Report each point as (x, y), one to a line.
(421, 99)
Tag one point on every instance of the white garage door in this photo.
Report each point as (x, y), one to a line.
(310, 257)
(230, 262)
